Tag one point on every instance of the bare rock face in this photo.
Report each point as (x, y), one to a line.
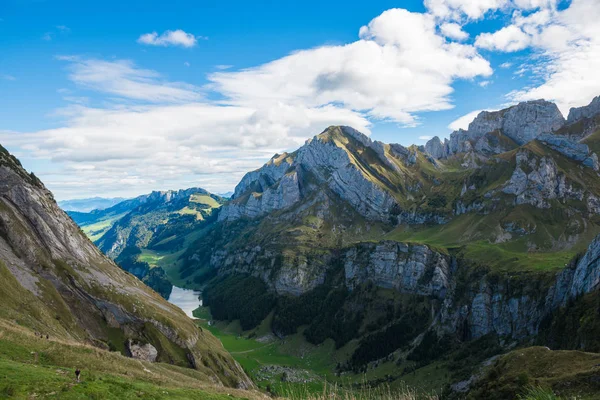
(572, 149)
(587, 274)
(520, 124)
(331, 164)
(144, 352)
(278, 196)
(276, 185)
(407, 268)
(579, 113)
(436, 148)
(536, 180)
(292, 275)
(265, 176)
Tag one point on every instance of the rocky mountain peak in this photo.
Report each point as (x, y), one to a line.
(578, 113)
(522, 123)
(494, 132)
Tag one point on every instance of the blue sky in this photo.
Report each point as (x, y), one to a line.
(118, 99)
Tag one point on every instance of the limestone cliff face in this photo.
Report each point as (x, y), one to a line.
(519, 124)
(68, 289)
(471, 306)
(585, 112)
(537, 180)
(323, 161)
(291, 274)
(405, 267)
(586, 277)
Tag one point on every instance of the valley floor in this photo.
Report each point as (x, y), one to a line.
(292, 366)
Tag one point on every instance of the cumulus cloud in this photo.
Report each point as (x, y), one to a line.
(510, 38)
(457, 9)
(400, 66)
(453, 31)
(169, 38)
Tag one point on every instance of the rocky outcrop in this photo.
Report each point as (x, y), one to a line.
(521, 123)
(293, 275)
(265, 176)
(573, 150)
(405, 267)
(283, 194)
(518, 125)
(536, 180)
(586, 277)
(436, 148)
(144, 352)
(579, 113)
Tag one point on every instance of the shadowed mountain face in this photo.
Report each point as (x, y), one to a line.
(482, 231)
(55, 281)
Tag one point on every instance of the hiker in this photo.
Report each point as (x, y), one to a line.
(77, 373)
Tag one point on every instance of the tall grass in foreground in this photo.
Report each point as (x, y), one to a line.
(538, 393)
(335, 392)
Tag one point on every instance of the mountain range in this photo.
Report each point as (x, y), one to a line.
(406, 254)
(87, 205)
(447, 256)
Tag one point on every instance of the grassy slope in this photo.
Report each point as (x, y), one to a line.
(95, 230)
(30, 365)
(572, 374)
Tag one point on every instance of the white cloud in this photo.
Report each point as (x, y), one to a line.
(506, 65)
(453, 31)
(456, 9)
(153, 146)
(399, 67)
(169, 38)
(484, 83)
(425, 137)
(510, 38)
(464, 121)
(567, 45)
(155, 132)
(124, 79)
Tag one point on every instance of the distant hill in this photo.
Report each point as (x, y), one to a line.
(151, 231)
(87, 205)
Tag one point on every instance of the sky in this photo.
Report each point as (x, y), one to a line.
(120, 98)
